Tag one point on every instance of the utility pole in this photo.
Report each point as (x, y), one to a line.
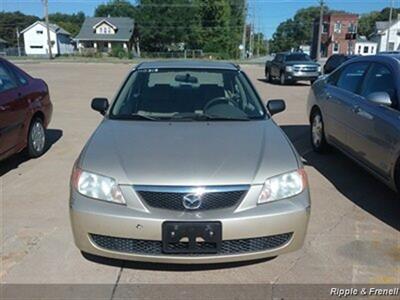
(320, 29)
(390, 25)
(251, 40)
(243, 54)
(19, 49)
(46, 17)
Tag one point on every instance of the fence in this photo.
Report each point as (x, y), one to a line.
(12, 52)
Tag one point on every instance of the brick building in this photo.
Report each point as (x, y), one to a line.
(336, 26)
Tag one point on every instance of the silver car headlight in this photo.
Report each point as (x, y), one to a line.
(96, 186)
(319, 69)
(289, 69)
(283, 186)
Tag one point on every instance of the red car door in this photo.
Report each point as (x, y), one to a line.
(13, 110)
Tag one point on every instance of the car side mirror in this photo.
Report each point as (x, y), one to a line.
(382, 98)
(100, 105)
(276, 106)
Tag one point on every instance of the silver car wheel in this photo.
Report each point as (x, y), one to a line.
(38, 137)
(317, 130)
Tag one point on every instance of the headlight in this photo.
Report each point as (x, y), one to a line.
(319, 68)
(289, 69)
(283, 186)
(96, 186)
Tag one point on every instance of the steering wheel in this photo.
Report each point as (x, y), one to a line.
(219, 100)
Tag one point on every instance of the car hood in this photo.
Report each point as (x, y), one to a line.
(188, 153)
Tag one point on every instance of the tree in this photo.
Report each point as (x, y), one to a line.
(116, 8)
(10, 21)
(296, 31)
(212, 25)
(71, 23)
(216, 26)
(163, 26)
(366, 24)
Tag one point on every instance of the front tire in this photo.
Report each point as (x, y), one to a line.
(283, 80)
(267, 75)
(36, 138)
(318, 140)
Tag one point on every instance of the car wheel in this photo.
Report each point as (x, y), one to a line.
(283, 79)
(267, 76)
(36, 138)
(318, 140)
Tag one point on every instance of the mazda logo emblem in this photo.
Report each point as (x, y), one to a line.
(191, 201)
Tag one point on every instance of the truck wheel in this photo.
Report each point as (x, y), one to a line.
(267, 75)
(36, 138)
(283, 79)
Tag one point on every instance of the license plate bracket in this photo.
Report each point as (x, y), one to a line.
(191, 237)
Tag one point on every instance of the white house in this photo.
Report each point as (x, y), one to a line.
(381, 36)
(365, 47)
(35, 39)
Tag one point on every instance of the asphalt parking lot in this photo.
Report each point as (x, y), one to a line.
(353, 236)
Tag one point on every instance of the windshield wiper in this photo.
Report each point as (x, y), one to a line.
(137, 117)
(221, 118)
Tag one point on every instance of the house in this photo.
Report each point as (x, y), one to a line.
(365, 47)
(338, 34)
(103, 34)
(35, 39)
(380, 36)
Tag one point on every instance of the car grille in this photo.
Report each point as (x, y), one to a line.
(173, 200)
(310, 69)
(228, 247)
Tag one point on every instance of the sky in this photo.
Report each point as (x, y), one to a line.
(266, 14)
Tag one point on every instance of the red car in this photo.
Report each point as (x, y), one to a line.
(25, 112)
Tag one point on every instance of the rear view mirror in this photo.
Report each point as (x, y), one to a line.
(100, 105)
(186, 78)
(381, 98)
(276, 106)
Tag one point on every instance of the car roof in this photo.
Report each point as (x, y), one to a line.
(391, 60)
(187, 64)
(385, 58)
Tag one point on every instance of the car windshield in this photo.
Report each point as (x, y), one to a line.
(298, 57)
(187, 94)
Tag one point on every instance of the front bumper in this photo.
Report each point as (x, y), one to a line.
(302, 75)
(92, 218)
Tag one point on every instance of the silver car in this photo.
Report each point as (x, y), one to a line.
(357, 110)
(187, 166)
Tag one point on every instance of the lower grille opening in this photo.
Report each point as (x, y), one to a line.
(228, 247)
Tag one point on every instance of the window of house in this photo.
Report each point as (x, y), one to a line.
(325, 27)
(391, 46)
(39, 31)
(336, 47)
(338, 27)
(359, 49)
(372, 49)
(366, 48)
(352, 28)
